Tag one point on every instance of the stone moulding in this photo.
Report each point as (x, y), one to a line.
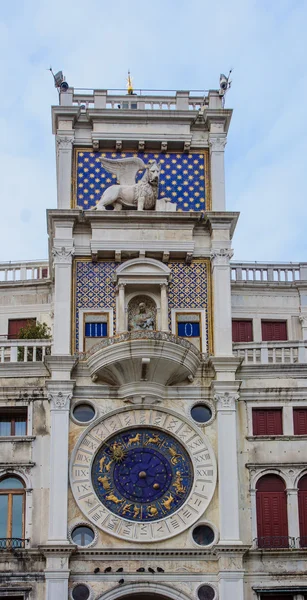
(141, 335)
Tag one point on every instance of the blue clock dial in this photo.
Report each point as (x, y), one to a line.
(143, 474)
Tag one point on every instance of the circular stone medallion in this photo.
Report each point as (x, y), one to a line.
(143, 475)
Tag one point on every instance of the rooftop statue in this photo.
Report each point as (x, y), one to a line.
(128, 194)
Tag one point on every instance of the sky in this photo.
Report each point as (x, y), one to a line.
(167, 44)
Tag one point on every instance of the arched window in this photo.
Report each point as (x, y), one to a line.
(12, 504)
(272, 522)
(302, 510)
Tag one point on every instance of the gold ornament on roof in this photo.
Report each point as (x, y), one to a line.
(129, 84)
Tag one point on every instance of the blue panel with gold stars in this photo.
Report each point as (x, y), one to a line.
(142, 474)
(183, 178)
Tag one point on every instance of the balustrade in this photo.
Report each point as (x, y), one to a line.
(277, 353)
(23, 271)
(24, 350)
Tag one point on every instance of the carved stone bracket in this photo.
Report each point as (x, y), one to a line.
(221, 256)
(163, 146)
(226, 400)
(95, 145)
(118, 145)
(303, 320)
(217, 144)
(59, 400)
(62, 255)
(141, 146)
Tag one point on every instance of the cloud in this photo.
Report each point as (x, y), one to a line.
(167, 45)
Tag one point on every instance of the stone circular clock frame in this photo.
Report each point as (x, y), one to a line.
(100, 436)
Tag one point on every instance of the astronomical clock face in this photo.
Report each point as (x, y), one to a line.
(143, 475)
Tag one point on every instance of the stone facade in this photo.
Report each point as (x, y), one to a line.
(136, 454)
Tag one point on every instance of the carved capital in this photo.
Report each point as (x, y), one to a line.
(217, 144)
(226, 400)
(62, 255)
(59, 400)
(303, 320)
(64, 142)
(221, 256)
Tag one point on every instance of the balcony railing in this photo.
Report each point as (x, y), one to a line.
(12, 543)
(24, 271)
(274, 353)
(276, 541)
(255, 272)
(14, 351)
(302, 541)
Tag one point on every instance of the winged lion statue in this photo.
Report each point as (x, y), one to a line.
(127, 194)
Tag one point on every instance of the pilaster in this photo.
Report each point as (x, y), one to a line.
(62, 260)
(57, 571)
(226, 395)
(64, 145)
(59, 394)
(217, 142)
(220, 267)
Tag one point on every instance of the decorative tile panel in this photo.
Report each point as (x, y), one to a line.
(189, 288)
(183, 178)
(94, 288)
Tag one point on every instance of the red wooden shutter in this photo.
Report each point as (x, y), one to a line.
(15, 325)
(242, 331)
(302, 510)
(274, 331)
(44, 273)
(271, 504)
(300, 421)
(267, 421)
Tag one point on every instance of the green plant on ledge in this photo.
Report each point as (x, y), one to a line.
(33, 331)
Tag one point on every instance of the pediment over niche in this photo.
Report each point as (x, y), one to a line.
(139, 270)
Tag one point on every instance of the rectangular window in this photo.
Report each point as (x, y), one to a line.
(13, 422)
(188, 325)
(274, 331)
(96, 326)
(15, 325)
(242, 330)
(300, 421)
(267, 421)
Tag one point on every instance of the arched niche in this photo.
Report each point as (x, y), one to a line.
(144, 591)
(142, 276)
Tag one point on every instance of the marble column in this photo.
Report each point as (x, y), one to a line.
(227, 465)
(217, 146)
(64, 145)
(164, 308)
(62, 259)
(222, 327)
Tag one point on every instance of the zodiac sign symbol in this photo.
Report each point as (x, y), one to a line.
(136, 511)
(104, 465)
(153, 440)
(180, 489)
(114, 499)
(126, 508)
(167, 503)
(152, 511)
(105, 482)
(134, 440)
(118, 453)
(101, 464)
(175, 456)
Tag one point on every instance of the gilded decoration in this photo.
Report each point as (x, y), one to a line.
(94, 288)
(143, 474)
(184, 178)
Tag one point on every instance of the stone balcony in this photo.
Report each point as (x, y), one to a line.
(21, 271)
(143, 363)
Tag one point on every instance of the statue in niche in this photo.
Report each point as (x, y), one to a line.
(142, 314)
(128, 194)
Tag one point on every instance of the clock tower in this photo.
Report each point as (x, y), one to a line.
(144, 491)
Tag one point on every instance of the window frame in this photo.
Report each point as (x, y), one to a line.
(203, 342)
(10, 492)
(25, 320)
(295, 410)
(83, 312)
(246, 320)
(266, 321)
(11, 413)
(266, 410)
